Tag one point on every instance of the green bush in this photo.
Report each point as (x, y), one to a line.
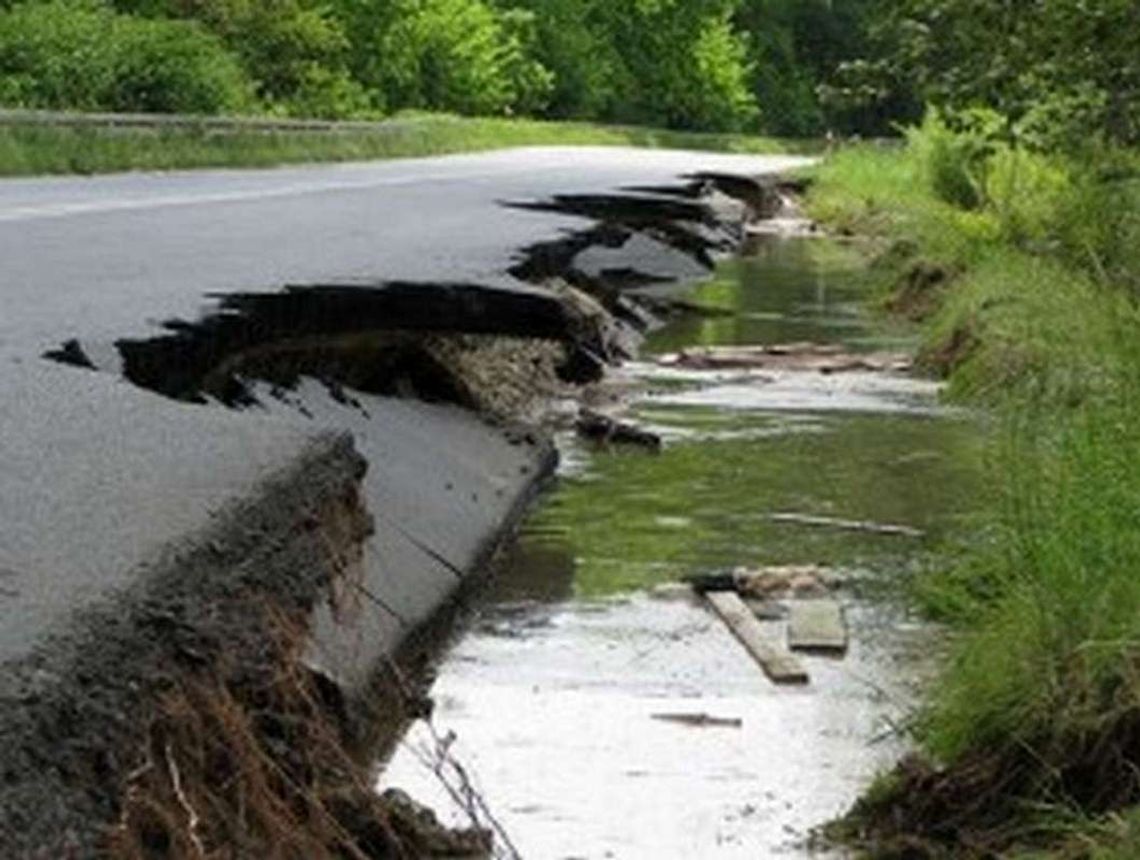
(954, 158)
(76, 54)
(532, 83)
(1099, 219)
(682, 65)
(1027, 190)
(581, 56)
(295, 51)
(324, 93)
(458, 55)
(718, 94)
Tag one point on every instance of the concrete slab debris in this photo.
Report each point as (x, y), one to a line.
(817, 625)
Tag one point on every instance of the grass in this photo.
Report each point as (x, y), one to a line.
(28, 150)
(1031, 319)
(1030, 739)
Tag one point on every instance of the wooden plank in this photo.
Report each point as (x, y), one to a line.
(780, 666)
(816, 625)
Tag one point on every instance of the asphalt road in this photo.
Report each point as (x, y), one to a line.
(97, 258)
(97, 476)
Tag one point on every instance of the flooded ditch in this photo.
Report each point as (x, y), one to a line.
(600, 712)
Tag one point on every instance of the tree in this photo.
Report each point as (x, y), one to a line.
(1044, 63)
(295, 50)
(795, 46)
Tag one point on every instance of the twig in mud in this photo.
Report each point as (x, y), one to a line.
(454, 778)
(457, 783)
(894, 729)
(700, 720)
(191, 815)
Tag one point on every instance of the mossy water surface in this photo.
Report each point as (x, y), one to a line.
(626, 519)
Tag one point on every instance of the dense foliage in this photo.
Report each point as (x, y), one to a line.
(82, 55)
(1059, 69)
(1053, 69)
(693, 64)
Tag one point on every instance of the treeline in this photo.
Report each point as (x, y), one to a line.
(788, 67)
(720, 65)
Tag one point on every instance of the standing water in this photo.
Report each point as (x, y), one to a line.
(576, 698)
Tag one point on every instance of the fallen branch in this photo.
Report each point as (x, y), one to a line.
(848, 525)
(700, 720)
(439, 759)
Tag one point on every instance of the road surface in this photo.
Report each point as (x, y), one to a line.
(97, 474)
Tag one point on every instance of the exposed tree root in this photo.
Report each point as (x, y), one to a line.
(992, 801)
(254, 762)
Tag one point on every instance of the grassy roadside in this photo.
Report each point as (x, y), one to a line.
(1023, 271)
(27, 150)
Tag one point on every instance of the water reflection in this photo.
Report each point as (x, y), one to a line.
(801, 290)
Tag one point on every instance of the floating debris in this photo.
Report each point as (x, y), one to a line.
(604, 429)
(798, 580)
(848, 525)
(817, 626)
(701, 720)
(779, 665)
(808, 356)
(672, 591)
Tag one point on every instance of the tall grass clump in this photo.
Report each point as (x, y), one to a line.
(1017, 261)
(1032, 729)
(1048, 669)
(1019, 265)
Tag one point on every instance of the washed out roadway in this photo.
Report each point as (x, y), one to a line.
(99, 477)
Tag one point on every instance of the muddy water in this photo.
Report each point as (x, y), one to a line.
(555, 696)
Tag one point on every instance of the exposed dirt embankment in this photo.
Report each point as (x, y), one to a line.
(181, 716)
(81, 718)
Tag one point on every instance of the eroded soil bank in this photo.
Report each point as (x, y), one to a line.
(601, 712)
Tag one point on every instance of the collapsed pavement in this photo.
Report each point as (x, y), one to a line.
(370, 470)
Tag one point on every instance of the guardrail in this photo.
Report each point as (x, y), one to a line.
(216, 124)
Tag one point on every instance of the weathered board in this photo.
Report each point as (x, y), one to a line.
(816, 625)
(780, 666)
